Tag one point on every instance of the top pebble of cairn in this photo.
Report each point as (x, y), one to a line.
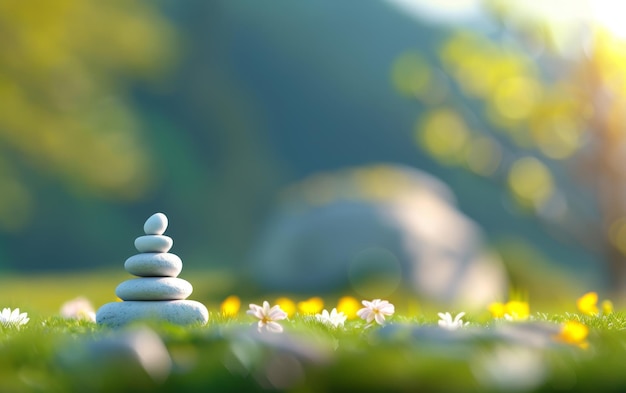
(156, 224)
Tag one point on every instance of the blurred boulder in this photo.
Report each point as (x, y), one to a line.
(375, 230)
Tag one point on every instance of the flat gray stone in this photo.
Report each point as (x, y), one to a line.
(154, 288)
(156, 224)
(153, 243)
(163, 264)
(180, 312)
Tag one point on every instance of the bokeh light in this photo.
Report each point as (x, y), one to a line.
(617, 234)
(515, 98)
(483, 156)
(444, 134)
(531, 181)
(557, 136)
(411, 74)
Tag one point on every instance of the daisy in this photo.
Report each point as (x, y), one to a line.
(448, 323)
(13, 318)
(267, 317)
(376, 310)
(335, 318)
(78, 308)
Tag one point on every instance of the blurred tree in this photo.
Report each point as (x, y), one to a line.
(65, 70)
(555, 109)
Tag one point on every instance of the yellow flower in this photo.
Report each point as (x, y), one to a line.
(349, 306)
(512, 310)
(287, 305)
(497, 309)
(607, 307)
(574, 332)
(230, 306)
(517, 310)
(313, 305)
(588, 303)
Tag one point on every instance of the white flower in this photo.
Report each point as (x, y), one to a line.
(78, 308)
(13, 318)
(448, 323)
(268, 316)
(334, 318)
(376, 310)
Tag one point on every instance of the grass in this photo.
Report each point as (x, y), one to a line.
(43, 294)
(228, 354)
(409, 354)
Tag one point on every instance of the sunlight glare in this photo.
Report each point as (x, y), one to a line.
(450, 11)
(610, 14)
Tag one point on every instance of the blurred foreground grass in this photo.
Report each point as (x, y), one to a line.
(228, 354)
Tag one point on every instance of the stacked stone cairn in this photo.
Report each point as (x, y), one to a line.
(157, 293)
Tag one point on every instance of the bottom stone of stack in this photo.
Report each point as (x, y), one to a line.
(180, 312)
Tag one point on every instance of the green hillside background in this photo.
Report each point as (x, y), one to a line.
(205, 111)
